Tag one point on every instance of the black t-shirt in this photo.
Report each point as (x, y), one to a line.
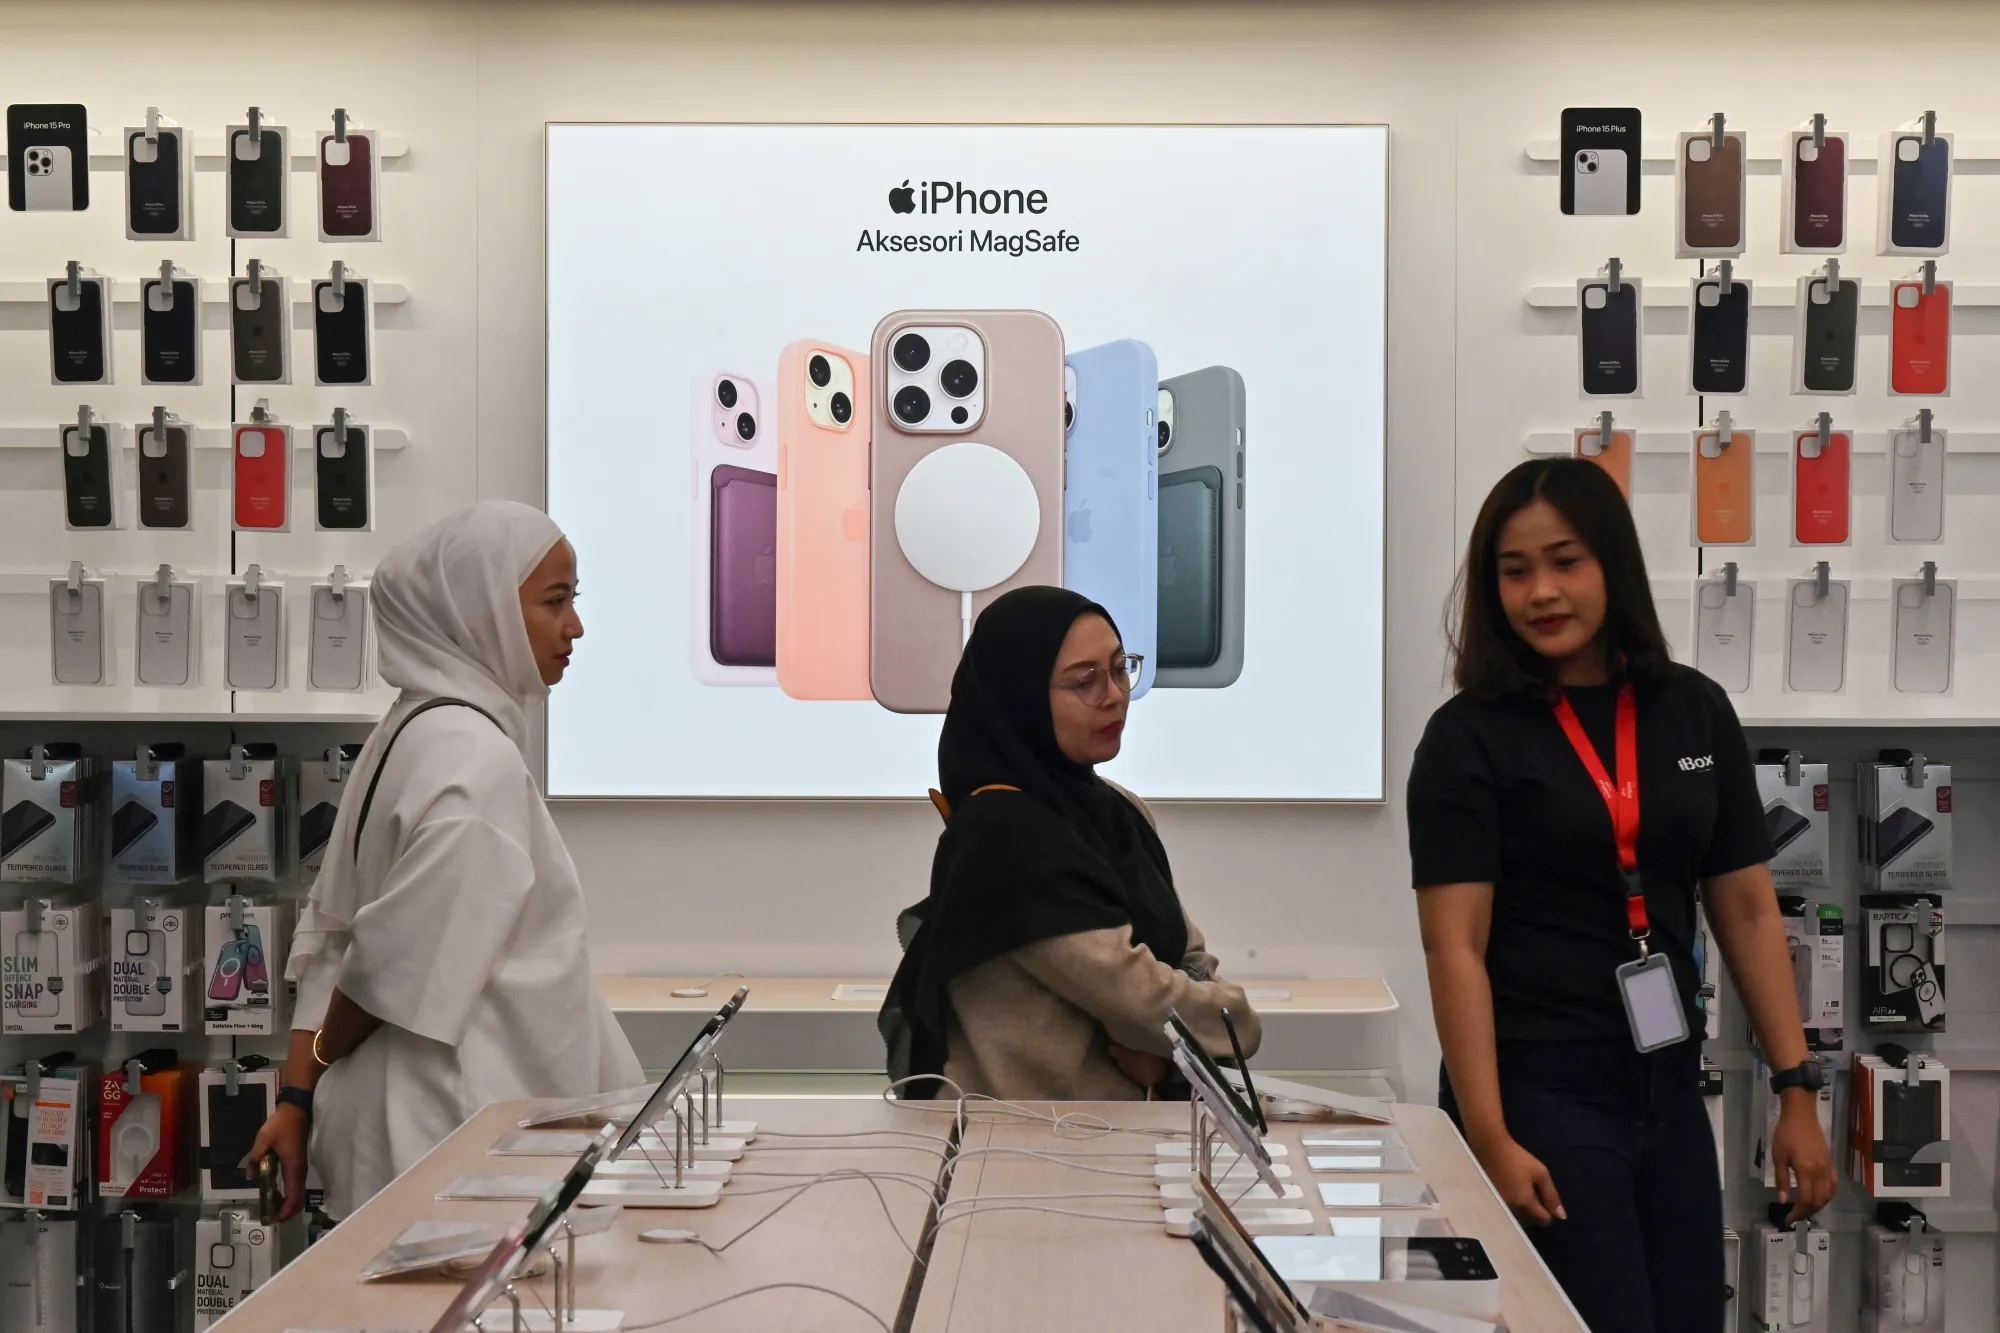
(1498, 795)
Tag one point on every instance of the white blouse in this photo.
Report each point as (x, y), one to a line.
(469, 945)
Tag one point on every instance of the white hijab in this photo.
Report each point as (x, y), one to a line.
(447, 626)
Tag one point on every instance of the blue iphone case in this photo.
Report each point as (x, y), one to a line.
(1110, 505)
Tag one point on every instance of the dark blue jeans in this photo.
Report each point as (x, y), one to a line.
(1626, 1139)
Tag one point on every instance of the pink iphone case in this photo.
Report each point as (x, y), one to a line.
(915, 635)
(822, 630)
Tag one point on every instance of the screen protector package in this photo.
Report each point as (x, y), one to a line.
(1904, 801)
(322, 782)
(246, 822)
(51, 815)
(156, 816)
(1797, 812)
(1903, 984)
(154, 969)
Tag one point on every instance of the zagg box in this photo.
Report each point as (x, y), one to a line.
(156, 817)
(246, 825)
(154, 969)
(145, 1137)
(1797, 814)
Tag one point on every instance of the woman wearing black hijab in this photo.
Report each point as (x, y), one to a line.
(1052, 944)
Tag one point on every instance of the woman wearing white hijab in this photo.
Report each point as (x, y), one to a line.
(441, 962)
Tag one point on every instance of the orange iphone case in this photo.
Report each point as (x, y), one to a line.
(1725, 492)
(823, 521)
(914, 627)
(1617, 459)
(1820, 489)
(1919, 338)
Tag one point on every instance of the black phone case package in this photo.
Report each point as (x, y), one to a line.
(170, 330)
(153, 966)
(246, 823)
(258, 174)
(1903, 982)
(260, 329)
(1829, 328)
(1609, 339)
(1601, 160)
(159, 181)
(229, 1124)
(244, 992)
(322, 784)
(53, 959)
(1719, 337)
(80, 330)
(343, 332)
(51, 816)
(1899, 1142)
(94, 478)
(48, 157)
(156, 817)
(142, 1270)
(1797, 811)
(50, 1157)
(1904, 802)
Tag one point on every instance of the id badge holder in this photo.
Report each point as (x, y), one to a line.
(1652, 1002)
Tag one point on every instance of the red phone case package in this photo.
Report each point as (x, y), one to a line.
(261, 478)
(1920, 338)
(145, 1137)
(1822, 499)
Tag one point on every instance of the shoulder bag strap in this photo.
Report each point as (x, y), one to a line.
(944, 806)
(368, 798)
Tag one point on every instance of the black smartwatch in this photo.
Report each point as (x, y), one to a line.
(299, 1097)
(1808, 1076)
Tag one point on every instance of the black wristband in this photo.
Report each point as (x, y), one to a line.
(299, 1097)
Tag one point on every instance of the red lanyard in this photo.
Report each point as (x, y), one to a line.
(1620, 798)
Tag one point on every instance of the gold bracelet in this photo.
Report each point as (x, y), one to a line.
(318, 1058)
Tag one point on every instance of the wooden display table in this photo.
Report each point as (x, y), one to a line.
(1328, 1023)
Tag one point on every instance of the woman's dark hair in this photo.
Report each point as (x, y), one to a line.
(1489, 659)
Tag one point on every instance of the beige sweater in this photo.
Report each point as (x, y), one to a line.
(1035, 1024)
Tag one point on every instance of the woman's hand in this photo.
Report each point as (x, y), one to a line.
(1523, 1182)
(1799, 1152)
(1142, 1067)
(285, 1134)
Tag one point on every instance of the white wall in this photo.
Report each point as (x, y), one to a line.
(812, 887)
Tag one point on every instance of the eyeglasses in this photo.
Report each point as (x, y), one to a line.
(1096, 683)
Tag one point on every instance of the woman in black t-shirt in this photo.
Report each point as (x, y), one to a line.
(1532, 906)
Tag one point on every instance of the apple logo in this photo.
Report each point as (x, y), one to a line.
(764, 568)
(1169, 567)
(854, 523)
(1079, 524)
(903, 199)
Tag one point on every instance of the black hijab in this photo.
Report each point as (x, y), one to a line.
(1064, 853)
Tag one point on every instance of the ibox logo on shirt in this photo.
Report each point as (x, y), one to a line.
(1696, 763)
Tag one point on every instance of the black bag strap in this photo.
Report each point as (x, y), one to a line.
(368, 798)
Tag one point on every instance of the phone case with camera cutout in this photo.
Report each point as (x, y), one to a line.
(79, 650)
(1920, 338)
(260, 490)
(1814, 217)
(168, 635)
(170, 331)
(1916, 486)
(1829, 327)
(48, 157)
(733, 491)
(1725, 488)
(92, 467)
(165, 477)
(253, 638)
(338, 654)
(343, 333)
(1923, 635)
(260, 330)
(1719, 337)
(1816, 637)
(343, 479)
(349, 186)
(1822, 488)
(1724, 631)
(915, 628)
(159, 175)
(1601, 159)
(1913, 189)
(80, 331)
(1708, 180)
(1613, 455)
(1608, 340)
(824, 415)
(258, 181)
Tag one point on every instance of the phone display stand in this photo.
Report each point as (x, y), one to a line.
(1256, 1221)
(967, 518)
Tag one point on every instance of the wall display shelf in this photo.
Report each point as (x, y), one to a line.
(106, 154)
(1776, 293)
(386, 438)
(1770, 441)
(150, 716)
(1659, 153)
(215, 291)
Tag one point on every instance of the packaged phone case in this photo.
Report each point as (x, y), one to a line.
(1601, 159)
(1708, 185)
(1725, 620)
(52, 962)
(350, 182)
(1904, 985)
(1917, 484)
(339, 656)
(1829, 311)
(258, 166)
(1923, 632)
(1900, 1131)
(145, 1127)
(1920, 336)
(170, 328)
(343, 314)
(1719, 336)
(1815, 933)
(80, 652)
(1725, 488)
(343, 476)
(260, 475)
(1816, 636)
(154, 966)
(234, 1255)
(159, 181)
(244, 991)
(94, 475)
(1614, 455)
(80, 341)
(169, 632)
(1814, 218)
(1822, 485)
(50, 1155)
(1902, 1278)
(1913, 184)
(253, 633)
(1608, 341)
(235, 1100)
(260, 326)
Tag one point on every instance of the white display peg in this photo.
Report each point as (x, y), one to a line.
(126, 292)
(1554, 444)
